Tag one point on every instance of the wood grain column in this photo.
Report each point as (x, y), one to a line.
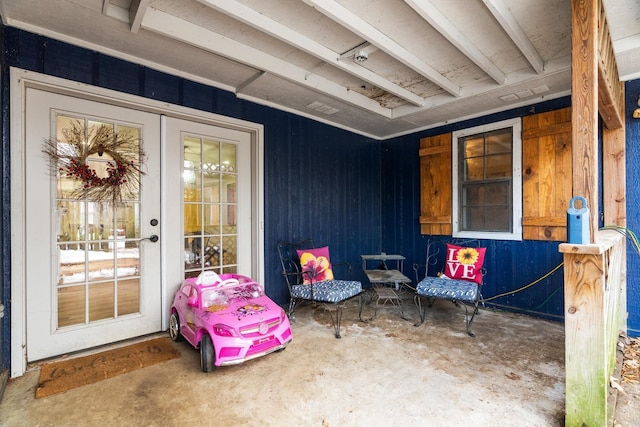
(584, 103)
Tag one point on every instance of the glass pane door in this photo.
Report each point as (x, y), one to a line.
(98, 242)
(210, 171)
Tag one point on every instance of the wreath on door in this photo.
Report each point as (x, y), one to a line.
(112, 180)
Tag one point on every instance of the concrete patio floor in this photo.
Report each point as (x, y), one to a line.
(382, 373)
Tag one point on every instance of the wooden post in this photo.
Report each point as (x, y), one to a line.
(615, 200)
(584, 104)
(592, 276)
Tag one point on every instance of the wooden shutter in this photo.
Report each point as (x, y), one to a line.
(546, 174)
(435, 185)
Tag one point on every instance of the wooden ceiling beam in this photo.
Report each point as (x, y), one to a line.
(368, 32)
(136, 13)
(293, 38)
(501, 12)
(437, 20)
(179, 29)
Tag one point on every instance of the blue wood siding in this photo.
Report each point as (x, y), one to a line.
(632, 92)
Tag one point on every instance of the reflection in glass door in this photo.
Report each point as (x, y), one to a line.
(210, 205)
(98, 243)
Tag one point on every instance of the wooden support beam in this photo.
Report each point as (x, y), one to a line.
(614, 176)
(584, 104)
(610, 90)
(592, 299)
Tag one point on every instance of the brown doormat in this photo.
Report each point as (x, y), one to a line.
(64, 375)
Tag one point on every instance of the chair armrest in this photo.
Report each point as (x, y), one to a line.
(420, 268)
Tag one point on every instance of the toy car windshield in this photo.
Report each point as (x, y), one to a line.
(218, 296)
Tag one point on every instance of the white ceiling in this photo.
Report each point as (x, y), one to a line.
(429, 62)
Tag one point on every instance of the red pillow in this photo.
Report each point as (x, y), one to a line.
(316, 265)
(464, 263)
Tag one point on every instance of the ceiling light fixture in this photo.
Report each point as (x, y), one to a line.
(361, 56)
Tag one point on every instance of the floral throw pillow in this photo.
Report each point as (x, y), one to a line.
(464, 263)
(316, 266)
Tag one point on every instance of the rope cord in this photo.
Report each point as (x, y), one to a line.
(629, 234)
(526, 286)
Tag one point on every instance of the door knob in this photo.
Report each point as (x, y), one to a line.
(153, 238)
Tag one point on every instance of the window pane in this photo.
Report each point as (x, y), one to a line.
(498, 141)
(229, 247)
(192, 152)
(474, 169)
(128, 226)
(211, 191)
(212, 219)
(72, 260)
(71, 221)
(228, 158)
(498, 218)
(101, 301)
(473, 146)
(211, 251)
(192, 215)
(128, 260)
(71, 304)
(498, 193)
(100, 265)
(211, 155)
(128, 296)
(499, 166)
(472, 218)
(132, 135)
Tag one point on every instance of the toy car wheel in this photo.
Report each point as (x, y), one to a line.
(174, 327)
(207, 354)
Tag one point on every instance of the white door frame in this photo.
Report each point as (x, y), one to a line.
(20, 80)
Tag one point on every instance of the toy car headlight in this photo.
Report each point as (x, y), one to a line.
(223, 330)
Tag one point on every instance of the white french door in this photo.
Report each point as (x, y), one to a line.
(214, 196)
(92, 269)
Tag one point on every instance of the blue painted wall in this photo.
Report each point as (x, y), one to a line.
(632, 92)
(355, 194)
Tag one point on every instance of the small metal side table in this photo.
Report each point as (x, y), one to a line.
(386, 283)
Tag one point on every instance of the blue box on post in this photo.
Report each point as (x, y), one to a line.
(578, 222)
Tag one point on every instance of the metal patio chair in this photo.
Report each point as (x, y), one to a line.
(309, 284)
(459, 291)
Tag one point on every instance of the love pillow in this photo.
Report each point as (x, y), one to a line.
(464, 263)
(316, 265)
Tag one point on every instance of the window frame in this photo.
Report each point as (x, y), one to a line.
(516, 234)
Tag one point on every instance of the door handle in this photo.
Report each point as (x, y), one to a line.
(153, 238)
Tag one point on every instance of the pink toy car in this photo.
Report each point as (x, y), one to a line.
(229, 318)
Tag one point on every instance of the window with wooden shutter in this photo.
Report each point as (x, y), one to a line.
(546, 178)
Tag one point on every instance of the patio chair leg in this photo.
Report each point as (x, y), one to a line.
(422, 312)
(292, 307)
(362, 301)
(336, 319)
(470, 320)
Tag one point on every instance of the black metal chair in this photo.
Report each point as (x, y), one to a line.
(308, 284)
(460, 291)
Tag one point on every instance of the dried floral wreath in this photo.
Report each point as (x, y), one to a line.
(121, 179)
